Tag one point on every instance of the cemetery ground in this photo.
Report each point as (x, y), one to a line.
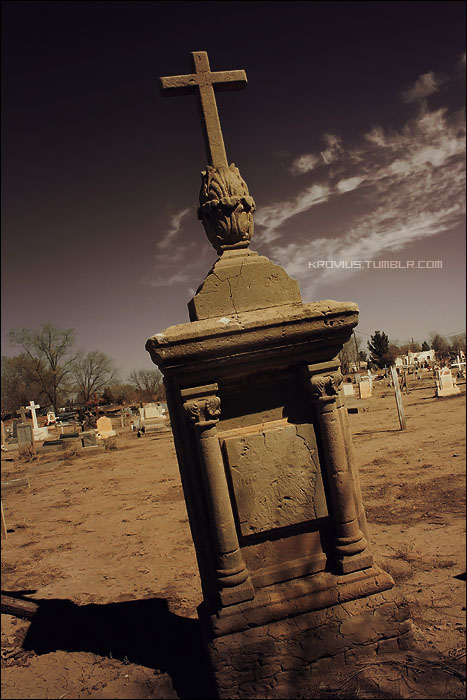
(102, 543)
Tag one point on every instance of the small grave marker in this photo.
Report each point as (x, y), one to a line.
(25, 436)
(104, 428)
(445, 385)
(397, 392)
(364, 386)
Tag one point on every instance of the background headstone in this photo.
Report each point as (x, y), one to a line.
(25, 436)
(104, 428)
(40, 434)
(445, 385)
(14, 426)
(89, 438)
(152, 412)
(364, 388)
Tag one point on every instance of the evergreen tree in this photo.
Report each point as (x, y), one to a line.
(380, 354)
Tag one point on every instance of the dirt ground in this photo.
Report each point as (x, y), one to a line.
(102, 542)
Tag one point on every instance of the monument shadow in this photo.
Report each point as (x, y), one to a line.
(142, 632)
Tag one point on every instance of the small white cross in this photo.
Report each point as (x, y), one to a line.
(32, 407)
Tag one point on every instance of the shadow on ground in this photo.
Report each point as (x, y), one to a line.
(142, 632)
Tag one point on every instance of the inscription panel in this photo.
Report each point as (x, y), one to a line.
(276, 476)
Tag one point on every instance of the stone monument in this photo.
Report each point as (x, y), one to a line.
(255, 398)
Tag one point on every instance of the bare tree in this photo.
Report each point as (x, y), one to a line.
(458, 343)
(346, 356)
(17, 387)
(147, 383)
(440, 345)
(92, 373)
(49, 352)
(351, 354)
(122, 392)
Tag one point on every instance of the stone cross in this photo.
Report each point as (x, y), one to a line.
(32, 407)
(202, 82)
(23, 410)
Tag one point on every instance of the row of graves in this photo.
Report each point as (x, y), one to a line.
(362, 384)
(60, 431)
(152, 417)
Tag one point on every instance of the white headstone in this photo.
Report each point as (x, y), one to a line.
(444, 383)
(348, 389)
(364, 386)
(104, 428)
(41, 434)
(152, 412)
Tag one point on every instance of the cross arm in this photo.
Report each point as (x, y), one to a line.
(229, 80)
(177, 85)
(186, 84)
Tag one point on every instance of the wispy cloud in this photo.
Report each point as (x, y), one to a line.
(272, 217)
(176, 277)
(409, 185)
(174, 228)
(178, 260)
(427, 84)
(309, 161)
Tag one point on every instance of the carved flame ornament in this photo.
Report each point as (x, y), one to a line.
(226, 208)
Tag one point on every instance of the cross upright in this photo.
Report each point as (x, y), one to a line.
(22, 411)
(203, 82)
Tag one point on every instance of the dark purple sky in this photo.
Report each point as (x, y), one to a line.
(350, 136)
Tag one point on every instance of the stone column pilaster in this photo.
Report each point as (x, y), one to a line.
(350, 545)
(202, 408)
(342, 411)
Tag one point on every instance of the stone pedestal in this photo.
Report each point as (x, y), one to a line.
(257, 409)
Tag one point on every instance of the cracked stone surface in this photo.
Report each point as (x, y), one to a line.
(242, 281)
(276, 477)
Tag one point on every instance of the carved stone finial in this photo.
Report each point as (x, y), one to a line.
(226, 208)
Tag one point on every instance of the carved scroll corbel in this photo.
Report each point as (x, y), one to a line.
(324, 388)
(203, 412)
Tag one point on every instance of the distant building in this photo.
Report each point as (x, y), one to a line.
(415, 357)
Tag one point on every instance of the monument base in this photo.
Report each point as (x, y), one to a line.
(448, 392)
(294, 656)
